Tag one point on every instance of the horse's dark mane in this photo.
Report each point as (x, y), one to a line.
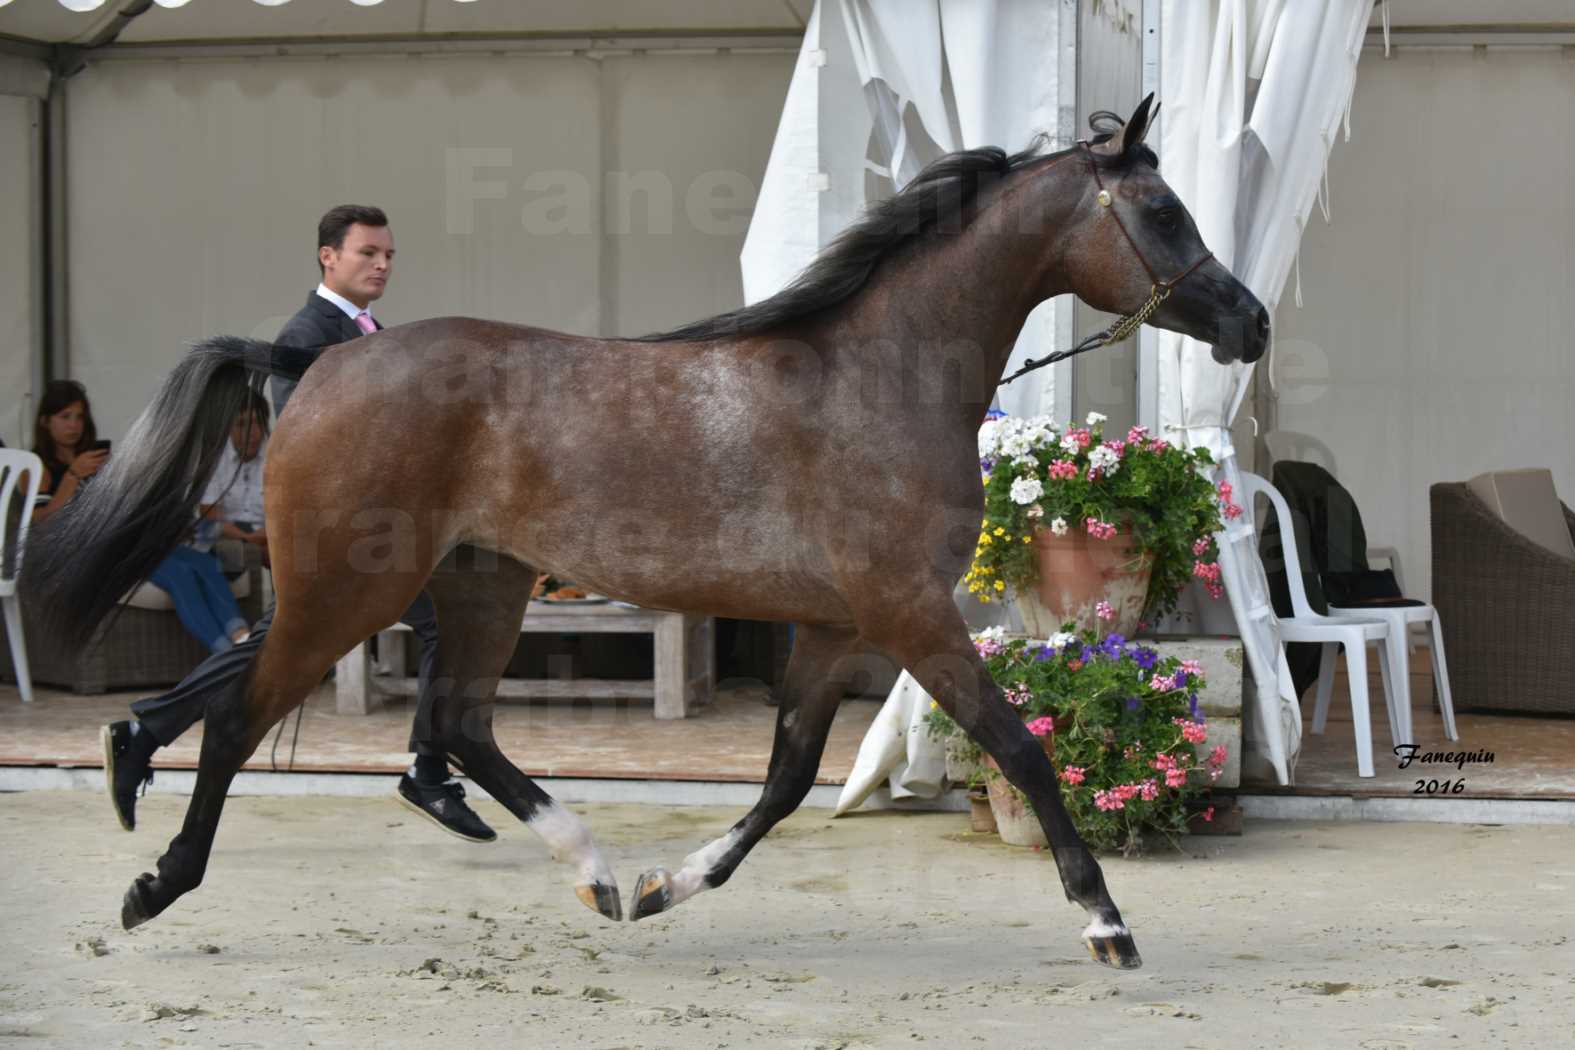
(943, 190)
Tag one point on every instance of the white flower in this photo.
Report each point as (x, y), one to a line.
(989, 438)
(1104, 459)
(1036, 512)
(1058, 526)
(1061, 639)
(991, 634)
(1026, 490)
(1027, 463)
(1096, 418)
(1016, 445)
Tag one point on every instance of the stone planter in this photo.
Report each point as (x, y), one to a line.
(1076, 573)
(1017, 824)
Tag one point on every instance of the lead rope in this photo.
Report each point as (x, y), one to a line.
(1120, 330)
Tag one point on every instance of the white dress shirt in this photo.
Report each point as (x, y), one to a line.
(351, 310)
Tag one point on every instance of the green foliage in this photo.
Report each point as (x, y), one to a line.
(1125, 728)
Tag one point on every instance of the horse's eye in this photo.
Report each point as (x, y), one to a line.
(1167, 219)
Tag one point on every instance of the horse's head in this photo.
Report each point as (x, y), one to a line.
(1131, 237)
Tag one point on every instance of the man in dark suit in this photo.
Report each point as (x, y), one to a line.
(355, 252)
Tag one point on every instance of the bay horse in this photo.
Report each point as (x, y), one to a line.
(811, 459)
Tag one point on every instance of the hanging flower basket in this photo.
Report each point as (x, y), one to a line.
(1068, 512)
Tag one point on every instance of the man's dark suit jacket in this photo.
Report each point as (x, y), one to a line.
(316, 326)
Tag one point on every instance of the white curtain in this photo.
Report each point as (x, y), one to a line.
(882, 87)
(1254, 92)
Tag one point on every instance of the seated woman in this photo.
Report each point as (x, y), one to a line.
(232, 506)
(65, 438)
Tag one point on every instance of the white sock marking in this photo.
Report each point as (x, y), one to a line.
(690, 879)
(569, 842)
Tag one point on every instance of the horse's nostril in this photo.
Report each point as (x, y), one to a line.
(1263, 322)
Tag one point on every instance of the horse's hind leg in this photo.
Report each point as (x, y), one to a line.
(289, 664)
(479, 614)
(824, 661)
(931, 641)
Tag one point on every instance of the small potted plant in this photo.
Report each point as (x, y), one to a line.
(1122, 727)
(1099, 532)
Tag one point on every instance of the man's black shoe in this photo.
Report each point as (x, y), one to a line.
(126, 769)
(444, 805)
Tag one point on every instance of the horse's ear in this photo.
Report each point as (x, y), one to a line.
(1137, 127)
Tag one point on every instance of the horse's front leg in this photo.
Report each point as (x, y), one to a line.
(930, 639)
(824, 661)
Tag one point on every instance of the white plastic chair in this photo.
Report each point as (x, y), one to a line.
(1305, 448)
(1356, 634)
(14, 464)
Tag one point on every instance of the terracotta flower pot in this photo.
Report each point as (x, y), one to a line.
(981, 818)
(1017, 824)
(1076, 573)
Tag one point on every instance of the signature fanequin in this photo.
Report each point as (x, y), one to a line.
(1409, 753)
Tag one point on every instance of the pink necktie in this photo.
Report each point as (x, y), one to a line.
(363, 321)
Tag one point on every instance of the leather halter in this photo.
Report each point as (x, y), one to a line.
(1159, 290)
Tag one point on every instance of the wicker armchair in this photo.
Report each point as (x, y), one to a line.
(139, 647)
(1508, 608)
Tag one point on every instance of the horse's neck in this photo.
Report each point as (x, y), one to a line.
(958, 302)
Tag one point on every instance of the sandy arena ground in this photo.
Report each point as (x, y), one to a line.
(348, 923)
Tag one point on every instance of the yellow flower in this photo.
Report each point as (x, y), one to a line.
(984, 599)
(1000, 531)
(985, 524)
(1028, 539)
(934, 705)
(985, 541)
(1000, 585)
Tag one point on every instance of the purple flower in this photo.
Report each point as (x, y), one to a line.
(1132, 703)
(1088, 654)
(987, 465)
(1192, 703)
(1043, 653)
(1146, 658)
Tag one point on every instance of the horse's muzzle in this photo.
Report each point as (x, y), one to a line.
(1242, 338)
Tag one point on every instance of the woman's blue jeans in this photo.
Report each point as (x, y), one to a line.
(202, 598)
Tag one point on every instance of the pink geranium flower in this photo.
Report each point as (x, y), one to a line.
(1063, 470)
(1074, 774)
(1100, 530)
(1104, 611)
(1042, 727)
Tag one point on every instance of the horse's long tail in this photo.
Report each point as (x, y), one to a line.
(83, 559)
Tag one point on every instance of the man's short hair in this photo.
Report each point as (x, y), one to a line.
(336, 222)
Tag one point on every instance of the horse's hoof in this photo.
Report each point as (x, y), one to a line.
(1114, 949)
(137, 908)
(601, 898)
(653, 894)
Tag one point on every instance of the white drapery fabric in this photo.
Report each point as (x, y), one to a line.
(1254, 92)
(883, 87)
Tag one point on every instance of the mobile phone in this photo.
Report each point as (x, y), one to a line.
(104, 444)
